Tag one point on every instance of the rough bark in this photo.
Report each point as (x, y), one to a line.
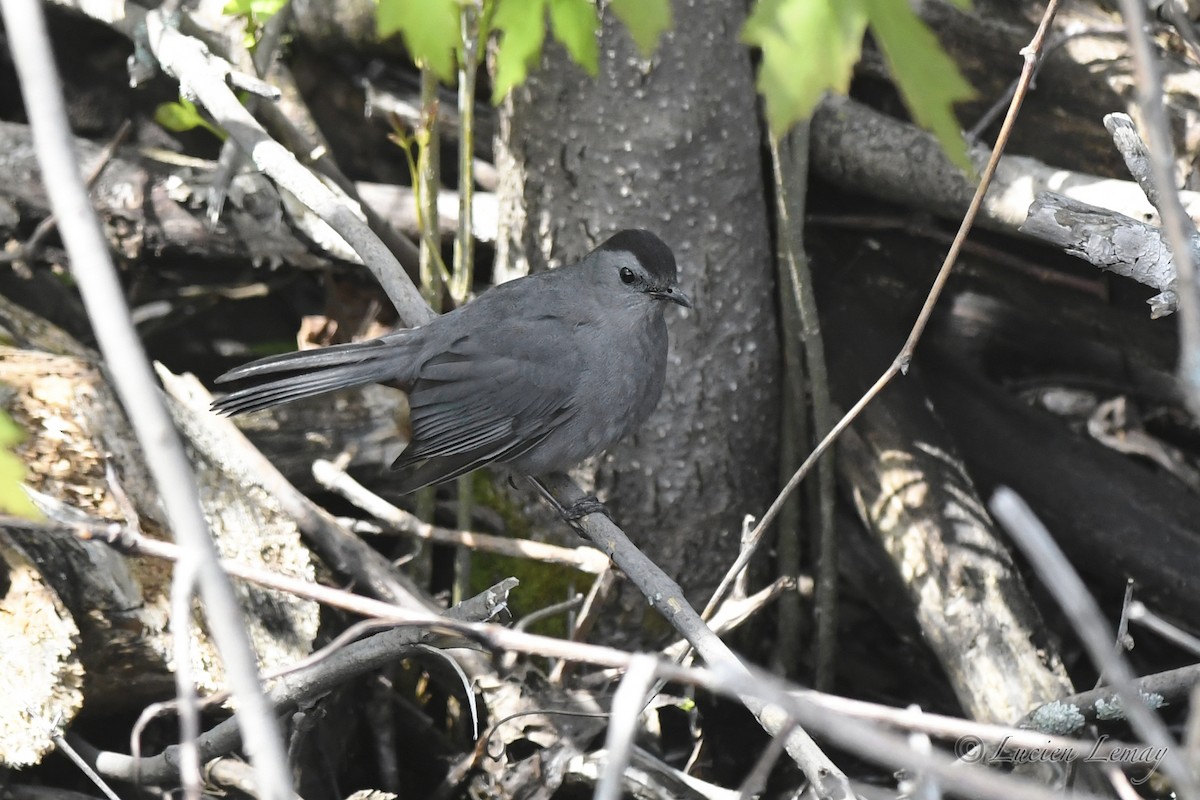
(999, 337)
(43, 676)
(76, 429)
(146, 207)
(915, 496)
(855, 146)
(900, 467)
(673, 146)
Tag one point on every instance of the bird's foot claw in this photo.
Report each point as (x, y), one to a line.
(588, 504)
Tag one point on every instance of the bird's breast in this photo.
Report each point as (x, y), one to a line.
(623, 379)
(620, 377)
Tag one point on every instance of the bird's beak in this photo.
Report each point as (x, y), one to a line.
(673, 295)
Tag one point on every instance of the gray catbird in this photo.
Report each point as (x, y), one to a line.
(536, 374)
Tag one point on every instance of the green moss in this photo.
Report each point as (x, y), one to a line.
(542, 585)
(484, 492)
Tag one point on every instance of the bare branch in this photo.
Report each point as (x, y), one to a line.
(109, 315)
(666, 596)
(1178, 227)
(203, 75)
(1068, 588)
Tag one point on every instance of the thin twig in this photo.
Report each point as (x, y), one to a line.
(66, 749)
(203, 75)
(1178, 226)
(553, 610)
(29, 247)
(1123, 641)
(989, 116)
(334, 478)
(464, 240)
(1145, 617)
(183, 587)
(1068, 588)
(790, 211)
(627, 707)
(755, 782)
(131, 542)
(919, 785)
(588, 615)
(427, 179)
(666, 596)
(109, 315)
(1030, 53)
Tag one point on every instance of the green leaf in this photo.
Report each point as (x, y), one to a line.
(575, 24)
(429, 28)
(179, 117)
(263, 10)
(808, 47)
(522, 28)
(184, 116)
(258, 10)
(13, 499)
(646, 20)
(928, 80)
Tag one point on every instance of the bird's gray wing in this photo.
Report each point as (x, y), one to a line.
(473, 404)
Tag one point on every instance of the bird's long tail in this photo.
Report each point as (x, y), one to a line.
(292, 376)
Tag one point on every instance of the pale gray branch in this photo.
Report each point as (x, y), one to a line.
(1109, 240)
(1068, 588)
(203, 76)
(104, 299)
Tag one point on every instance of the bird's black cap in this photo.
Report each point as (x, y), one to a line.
(650, 251)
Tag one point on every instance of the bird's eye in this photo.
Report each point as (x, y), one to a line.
(627, 275)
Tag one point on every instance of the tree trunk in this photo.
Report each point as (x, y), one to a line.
(671, 145)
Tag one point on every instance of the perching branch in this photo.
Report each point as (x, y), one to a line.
(667, 598)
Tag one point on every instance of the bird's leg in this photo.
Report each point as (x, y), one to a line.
(588, 504)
